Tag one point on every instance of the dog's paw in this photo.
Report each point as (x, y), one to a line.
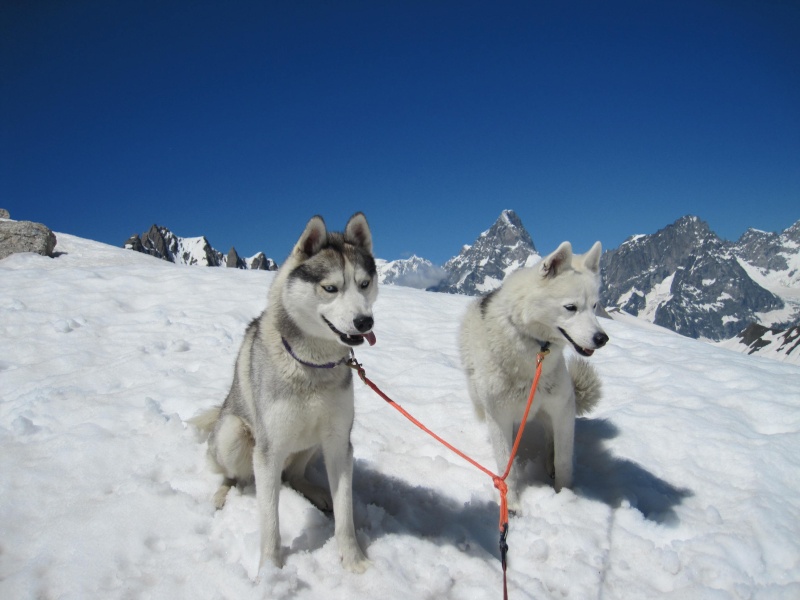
(270, 558)
(220, 496)
(359, 567)
(353, 557)
(562, 484)
(358, 564)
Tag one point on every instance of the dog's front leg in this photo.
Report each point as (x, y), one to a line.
(501, 434)
(267, 470)
(563, 436)
(338, 455)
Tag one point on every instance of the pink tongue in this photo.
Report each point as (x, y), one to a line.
(370, 337)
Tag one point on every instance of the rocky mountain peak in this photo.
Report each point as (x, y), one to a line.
(481, 267)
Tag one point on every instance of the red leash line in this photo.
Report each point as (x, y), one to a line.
(498, 480)
(411, 418)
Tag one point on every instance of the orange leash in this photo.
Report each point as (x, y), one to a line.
(498, 480)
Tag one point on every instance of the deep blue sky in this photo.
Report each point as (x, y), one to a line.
(240, 120)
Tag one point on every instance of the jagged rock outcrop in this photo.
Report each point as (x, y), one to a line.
(769, 342)
(164, 244)
(259, 262)
(233, 261)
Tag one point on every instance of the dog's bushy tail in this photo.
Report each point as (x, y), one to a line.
(204, 421)
(588, 388)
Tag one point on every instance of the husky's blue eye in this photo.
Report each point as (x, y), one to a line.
(571, 307)
(331, 289)
(365, 284)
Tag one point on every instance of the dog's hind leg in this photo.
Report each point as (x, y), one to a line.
(295, 476)
(230, 449)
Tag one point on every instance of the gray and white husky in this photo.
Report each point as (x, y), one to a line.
(292, 392)
(548, 306)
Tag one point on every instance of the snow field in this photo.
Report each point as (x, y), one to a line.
(685, 485)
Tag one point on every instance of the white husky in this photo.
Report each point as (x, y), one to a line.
(548, 306)
(292, 392)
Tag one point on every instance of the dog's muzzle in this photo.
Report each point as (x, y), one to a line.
(363, 324)
(599, 340)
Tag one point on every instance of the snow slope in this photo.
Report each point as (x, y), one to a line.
(686, 478)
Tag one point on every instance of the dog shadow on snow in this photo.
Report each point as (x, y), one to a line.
(395, 506)
(386, 505)
(601, 476)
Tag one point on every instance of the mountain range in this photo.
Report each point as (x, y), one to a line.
(682, 277)
(164, 244)
(413, 272)
(687, 279)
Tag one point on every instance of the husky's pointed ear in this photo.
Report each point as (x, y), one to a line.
(357, 232)
(557, 261)
(591, 260)
(313, 239)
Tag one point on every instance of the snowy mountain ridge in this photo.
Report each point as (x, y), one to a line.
(162, 243)
(777, 344)
(684, 277)
(413, 272)
(776, 256)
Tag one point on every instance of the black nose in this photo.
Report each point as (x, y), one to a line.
(600, 339)
(363, 324)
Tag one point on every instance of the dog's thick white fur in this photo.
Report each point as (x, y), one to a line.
(292, 394)
(550, 305)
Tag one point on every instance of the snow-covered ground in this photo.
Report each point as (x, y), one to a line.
(686, 483)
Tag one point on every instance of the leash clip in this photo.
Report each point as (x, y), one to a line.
(540, 356)
(503, 545)
(356, 366)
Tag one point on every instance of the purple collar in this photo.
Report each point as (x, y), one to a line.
(329, 365)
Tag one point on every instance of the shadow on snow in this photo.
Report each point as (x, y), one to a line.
(386, 505)
(601, 476)
(399, 507)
